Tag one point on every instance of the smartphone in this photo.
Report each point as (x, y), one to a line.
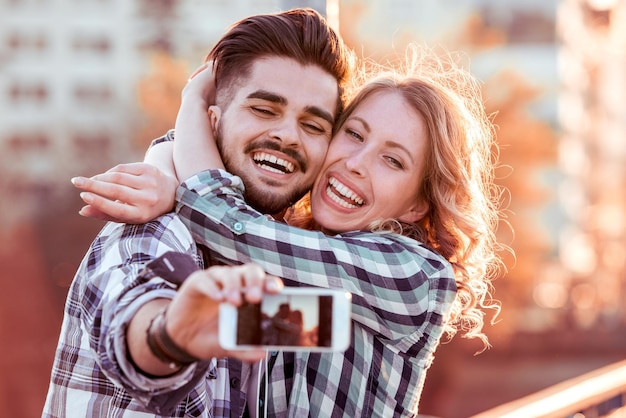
(296, 319)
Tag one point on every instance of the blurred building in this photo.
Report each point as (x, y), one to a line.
(593, 160)
(68, 86)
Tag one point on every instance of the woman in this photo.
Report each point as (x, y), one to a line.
(402, 215)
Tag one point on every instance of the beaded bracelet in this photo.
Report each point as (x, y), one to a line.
(162, 345)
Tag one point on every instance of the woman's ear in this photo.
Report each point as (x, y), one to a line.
(215, 113)
(415, 213)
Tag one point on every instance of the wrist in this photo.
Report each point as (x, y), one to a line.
(196, 102)
(163, 347)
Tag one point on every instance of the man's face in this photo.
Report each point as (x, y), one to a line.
(275, 132)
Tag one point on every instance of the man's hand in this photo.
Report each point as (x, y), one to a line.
(192, 317)
(128, 193)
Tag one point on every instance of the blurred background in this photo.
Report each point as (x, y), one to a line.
(86, 84)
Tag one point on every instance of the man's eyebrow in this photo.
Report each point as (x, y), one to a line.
(275, 98)
(321, 113)
(269, 96)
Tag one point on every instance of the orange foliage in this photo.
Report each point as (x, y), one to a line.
(528, 148)
(158, 96)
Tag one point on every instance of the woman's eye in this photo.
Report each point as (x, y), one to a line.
(354, 134)
(394, 162)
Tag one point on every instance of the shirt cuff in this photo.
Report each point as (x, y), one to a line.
(208, 181)
(168, 137)
(134, 377)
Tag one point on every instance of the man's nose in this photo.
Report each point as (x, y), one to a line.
(286, 131)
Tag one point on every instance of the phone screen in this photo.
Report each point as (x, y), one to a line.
(286, 320)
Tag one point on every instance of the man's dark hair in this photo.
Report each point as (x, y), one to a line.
(300, 34)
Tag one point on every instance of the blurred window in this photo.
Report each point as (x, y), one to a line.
(93, 94)
(33, 92)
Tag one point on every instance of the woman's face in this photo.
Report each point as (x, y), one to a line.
(374, 167)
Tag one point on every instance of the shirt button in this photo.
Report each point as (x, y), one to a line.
(234, 383)
(238, 226)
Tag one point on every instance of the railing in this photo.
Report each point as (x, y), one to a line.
(600, 393)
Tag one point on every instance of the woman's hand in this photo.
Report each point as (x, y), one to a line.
(128, 193)
(201, 85)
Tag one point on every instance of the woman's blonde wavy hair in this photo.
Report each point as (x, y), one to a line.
(458, 179)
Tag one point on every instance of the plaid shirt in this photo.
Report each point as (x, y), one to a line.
(402, 293)
(91, 375)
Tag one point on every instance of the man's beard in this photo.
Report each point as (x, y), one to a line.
(258, 197)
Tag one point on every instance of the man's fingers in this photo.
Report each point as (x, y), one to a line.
(273, 284)
(249, 356)
(233, 281)
(206, 285)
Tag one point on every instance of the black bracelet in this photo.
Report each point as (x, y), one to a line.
(162, 345)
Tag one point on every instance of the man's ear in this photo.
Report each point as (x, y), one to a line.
(415, 213)
(215, 113)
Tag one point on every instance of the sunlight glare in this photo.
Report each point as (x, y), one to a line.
(550, 295)
(577, 252)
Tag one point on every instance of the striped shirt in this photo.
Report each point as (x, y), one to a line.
(402, 294)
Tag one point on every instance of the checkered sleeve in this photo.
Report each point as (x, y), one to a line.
(390, 277)
(112, 283)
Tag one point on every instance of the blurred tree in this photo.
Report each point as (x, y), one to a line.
(528, 146)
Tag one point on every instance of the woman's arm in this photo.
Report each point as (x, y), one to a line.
(195, 149)
(397, 284)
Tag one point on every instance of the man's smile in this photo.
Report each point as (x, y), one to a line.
(272, 163)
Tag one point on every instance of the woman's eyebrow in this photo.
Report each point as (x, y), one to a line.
(366, 125)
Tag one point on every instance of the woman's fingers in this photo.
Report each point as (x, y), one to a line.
(198, 70)
(110, 208)
(89, 211)
(103, 187)
(134, 169)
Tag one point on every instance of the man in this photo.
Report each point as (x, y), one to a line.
(119, 353)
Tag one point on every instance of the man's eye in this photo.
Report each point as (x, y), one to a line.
(314, 128)
(262, 111)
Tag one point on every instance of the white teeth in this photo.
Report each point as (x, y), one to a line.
(261, 157)
(344, 191)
